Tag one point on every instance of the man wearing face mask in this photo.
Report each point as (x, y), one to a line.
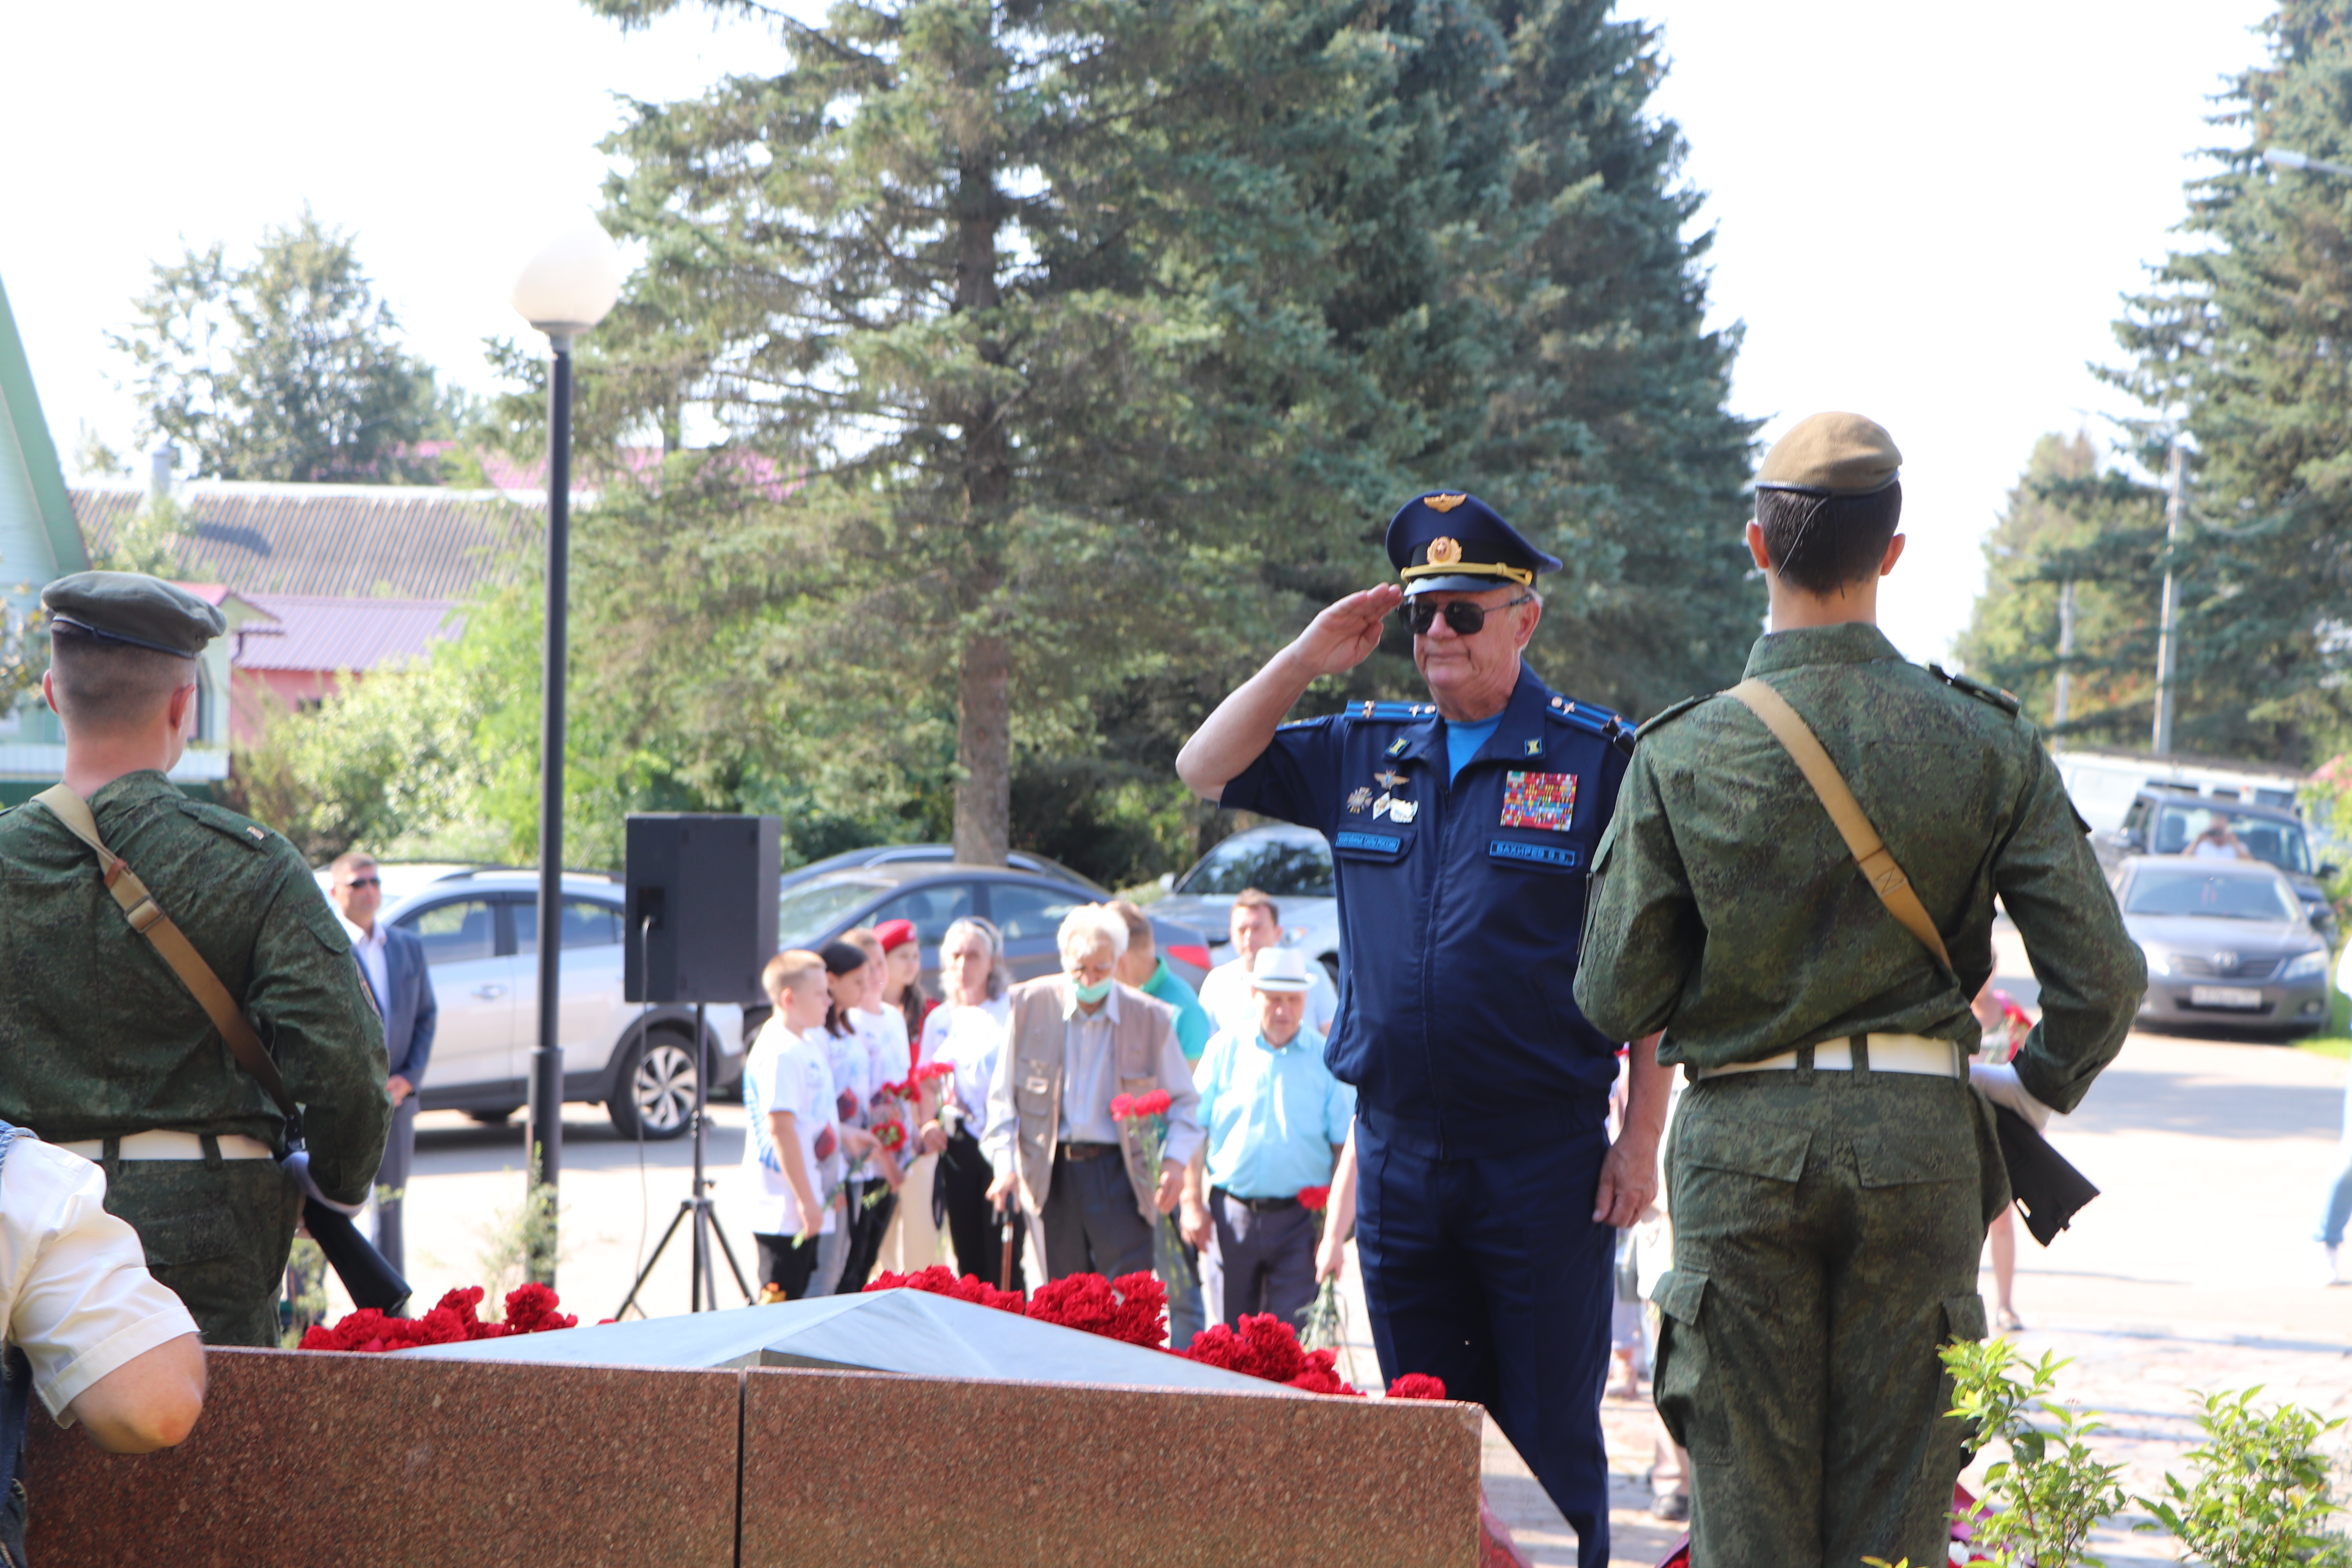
(1075, 1042)
(1463, 827)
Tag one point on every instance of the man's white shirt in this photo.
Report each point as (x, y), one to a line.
(74, 1286)
(369, 946)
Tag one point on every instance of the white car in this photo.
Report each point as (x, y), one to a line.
(480, 931)
(1290, 865)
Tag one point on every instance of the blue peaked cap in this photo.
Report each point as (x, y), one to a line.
(1451, 541)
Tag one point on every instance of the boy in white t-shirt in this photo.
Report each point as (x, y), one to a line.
(788, 1096)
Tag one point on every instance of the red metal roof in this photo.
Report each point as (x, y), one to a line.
(328, 633)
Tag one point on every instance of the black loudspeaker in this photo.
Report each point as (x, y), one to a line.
(703, 906)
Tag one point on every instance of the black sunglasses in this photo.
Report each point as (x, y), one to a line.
(365, 882)
(1467, 618)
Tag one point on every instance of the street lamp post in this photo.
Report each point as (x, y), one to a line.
(563, 291)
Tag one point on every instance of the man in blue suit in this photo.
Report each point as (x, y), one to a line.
(393, 963)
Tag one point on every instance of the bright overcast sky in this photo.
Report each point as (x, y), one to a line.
(1924, 213)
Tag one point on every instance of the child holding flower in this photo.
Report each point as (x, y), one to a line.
(788, 1094)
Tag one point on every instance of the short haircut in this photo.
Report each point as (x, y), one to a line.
(791, 970)
(1820, 544)
(1089, 927)
(109, 686)
(350, 860)
(1139, 924)
(865, 938)
(1253, 899)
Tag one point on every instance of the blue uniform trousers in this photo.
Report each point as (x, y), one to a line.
(1487, 1270)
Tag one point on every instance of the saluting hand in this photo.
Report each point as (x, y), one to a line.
(1345, 634)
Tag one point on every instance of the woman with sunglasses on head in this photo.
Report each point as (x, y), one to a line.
(965, 1033)
(1463, 824)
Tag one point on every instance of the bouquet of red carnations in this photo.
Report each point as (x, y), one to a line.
(529, 1310)
(1145, 1116)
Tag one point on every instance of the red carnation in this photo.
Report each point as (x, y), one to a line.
(940, 1281)
(1122, 1105)
(890, 1136)
(1156, 1103)
(826, 1144)
(1417, 1385)
(1314, 1198)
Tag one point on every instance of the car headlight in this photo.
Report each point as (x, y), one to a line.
(2303, 966)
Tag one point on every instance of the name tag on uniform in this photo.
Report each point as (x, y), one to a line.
(1368, 843)
(1549, 856)
(1546, 801)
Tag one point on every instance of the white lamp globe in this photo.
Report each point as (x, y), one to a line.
(570, 286)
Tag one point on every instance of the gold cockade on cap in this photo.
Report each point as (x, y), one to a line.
(1444, 551)
(1443, 503)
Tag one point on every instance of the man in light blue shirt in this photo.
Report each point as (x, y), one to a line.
(1276, 1119)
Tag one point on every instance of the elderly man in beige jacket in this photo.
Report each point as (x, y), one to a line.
(1073, 1041)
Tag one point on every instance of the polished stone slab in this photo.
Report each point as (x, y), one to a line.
(909, 1331)
(922, 1474)
(316, 1459)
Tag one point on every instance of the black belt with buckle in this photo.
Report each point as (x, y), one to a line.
(1085, 1151)
(1257, 1206)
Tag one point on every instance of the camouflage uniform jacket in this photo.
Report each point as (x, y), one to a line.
(1726, 908)
(98, 1036)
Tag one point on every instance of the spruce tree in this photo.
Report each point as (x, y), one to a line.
(2239, 344)
(1057, 360)
(2069, 529)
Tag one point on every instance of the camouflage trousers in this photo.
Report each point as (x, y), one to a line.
(217, 1236)
(1826, 1232)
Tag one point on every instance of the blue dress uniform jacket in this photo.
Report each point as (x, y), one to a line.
(1481, 1088)
(1458, 1021)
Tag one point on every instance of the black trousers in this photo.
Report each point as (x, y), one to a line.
(866, 1227)
(964, 1176)
(786, 1263)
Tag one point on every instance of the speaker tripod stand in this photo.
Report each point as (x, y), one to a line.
(695, 1212)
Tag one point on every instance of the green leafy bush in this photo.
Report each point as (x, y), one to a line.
(2260, 1496)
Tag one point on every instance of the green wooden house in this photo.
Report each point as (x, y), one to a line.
(39, 542)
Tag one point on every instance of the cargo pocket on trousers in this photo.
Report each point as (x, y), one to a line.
(1964, 1317)
(1681, 1373)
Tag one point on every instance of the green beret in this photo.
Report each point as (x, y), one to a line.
(1832, 455)
(133, 608)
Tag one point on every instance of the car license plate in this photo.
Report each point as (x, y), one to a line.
(2224, 996)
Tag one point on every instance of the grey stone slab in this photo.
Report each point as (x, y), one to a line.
(909, 1331)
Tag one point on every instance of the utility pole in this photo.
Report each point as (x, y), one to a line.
(2058, 703)
(2168, 636)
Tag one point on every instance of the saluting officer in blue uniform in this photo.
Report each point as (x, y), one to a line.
(1464, 829)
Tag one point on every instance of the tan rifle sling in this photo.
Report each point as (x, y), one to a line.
(148, 919)
(1878, 868)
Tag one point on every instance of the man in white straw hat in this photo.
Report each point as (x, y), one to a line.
(1277, 1119)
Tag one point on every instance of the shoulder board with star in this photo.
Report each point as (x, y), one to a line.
(1592, 718)
(2005, 701)
(1669, 715)
(1390, 712)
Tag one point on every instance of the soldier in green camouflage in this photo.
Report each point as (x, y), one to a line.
(1830, 1171)
(105, 1049)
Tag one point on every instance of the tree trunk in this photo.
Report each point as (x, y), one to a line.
(983, 793)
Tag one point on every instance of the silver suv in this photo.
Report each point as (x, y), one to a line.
(480, 932)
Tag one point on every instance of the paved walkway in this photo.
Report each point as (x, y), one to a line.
(2191, 1273)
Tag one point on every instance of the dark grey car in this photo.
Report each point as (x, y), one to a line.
(2227, 944)
(2168, 822)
